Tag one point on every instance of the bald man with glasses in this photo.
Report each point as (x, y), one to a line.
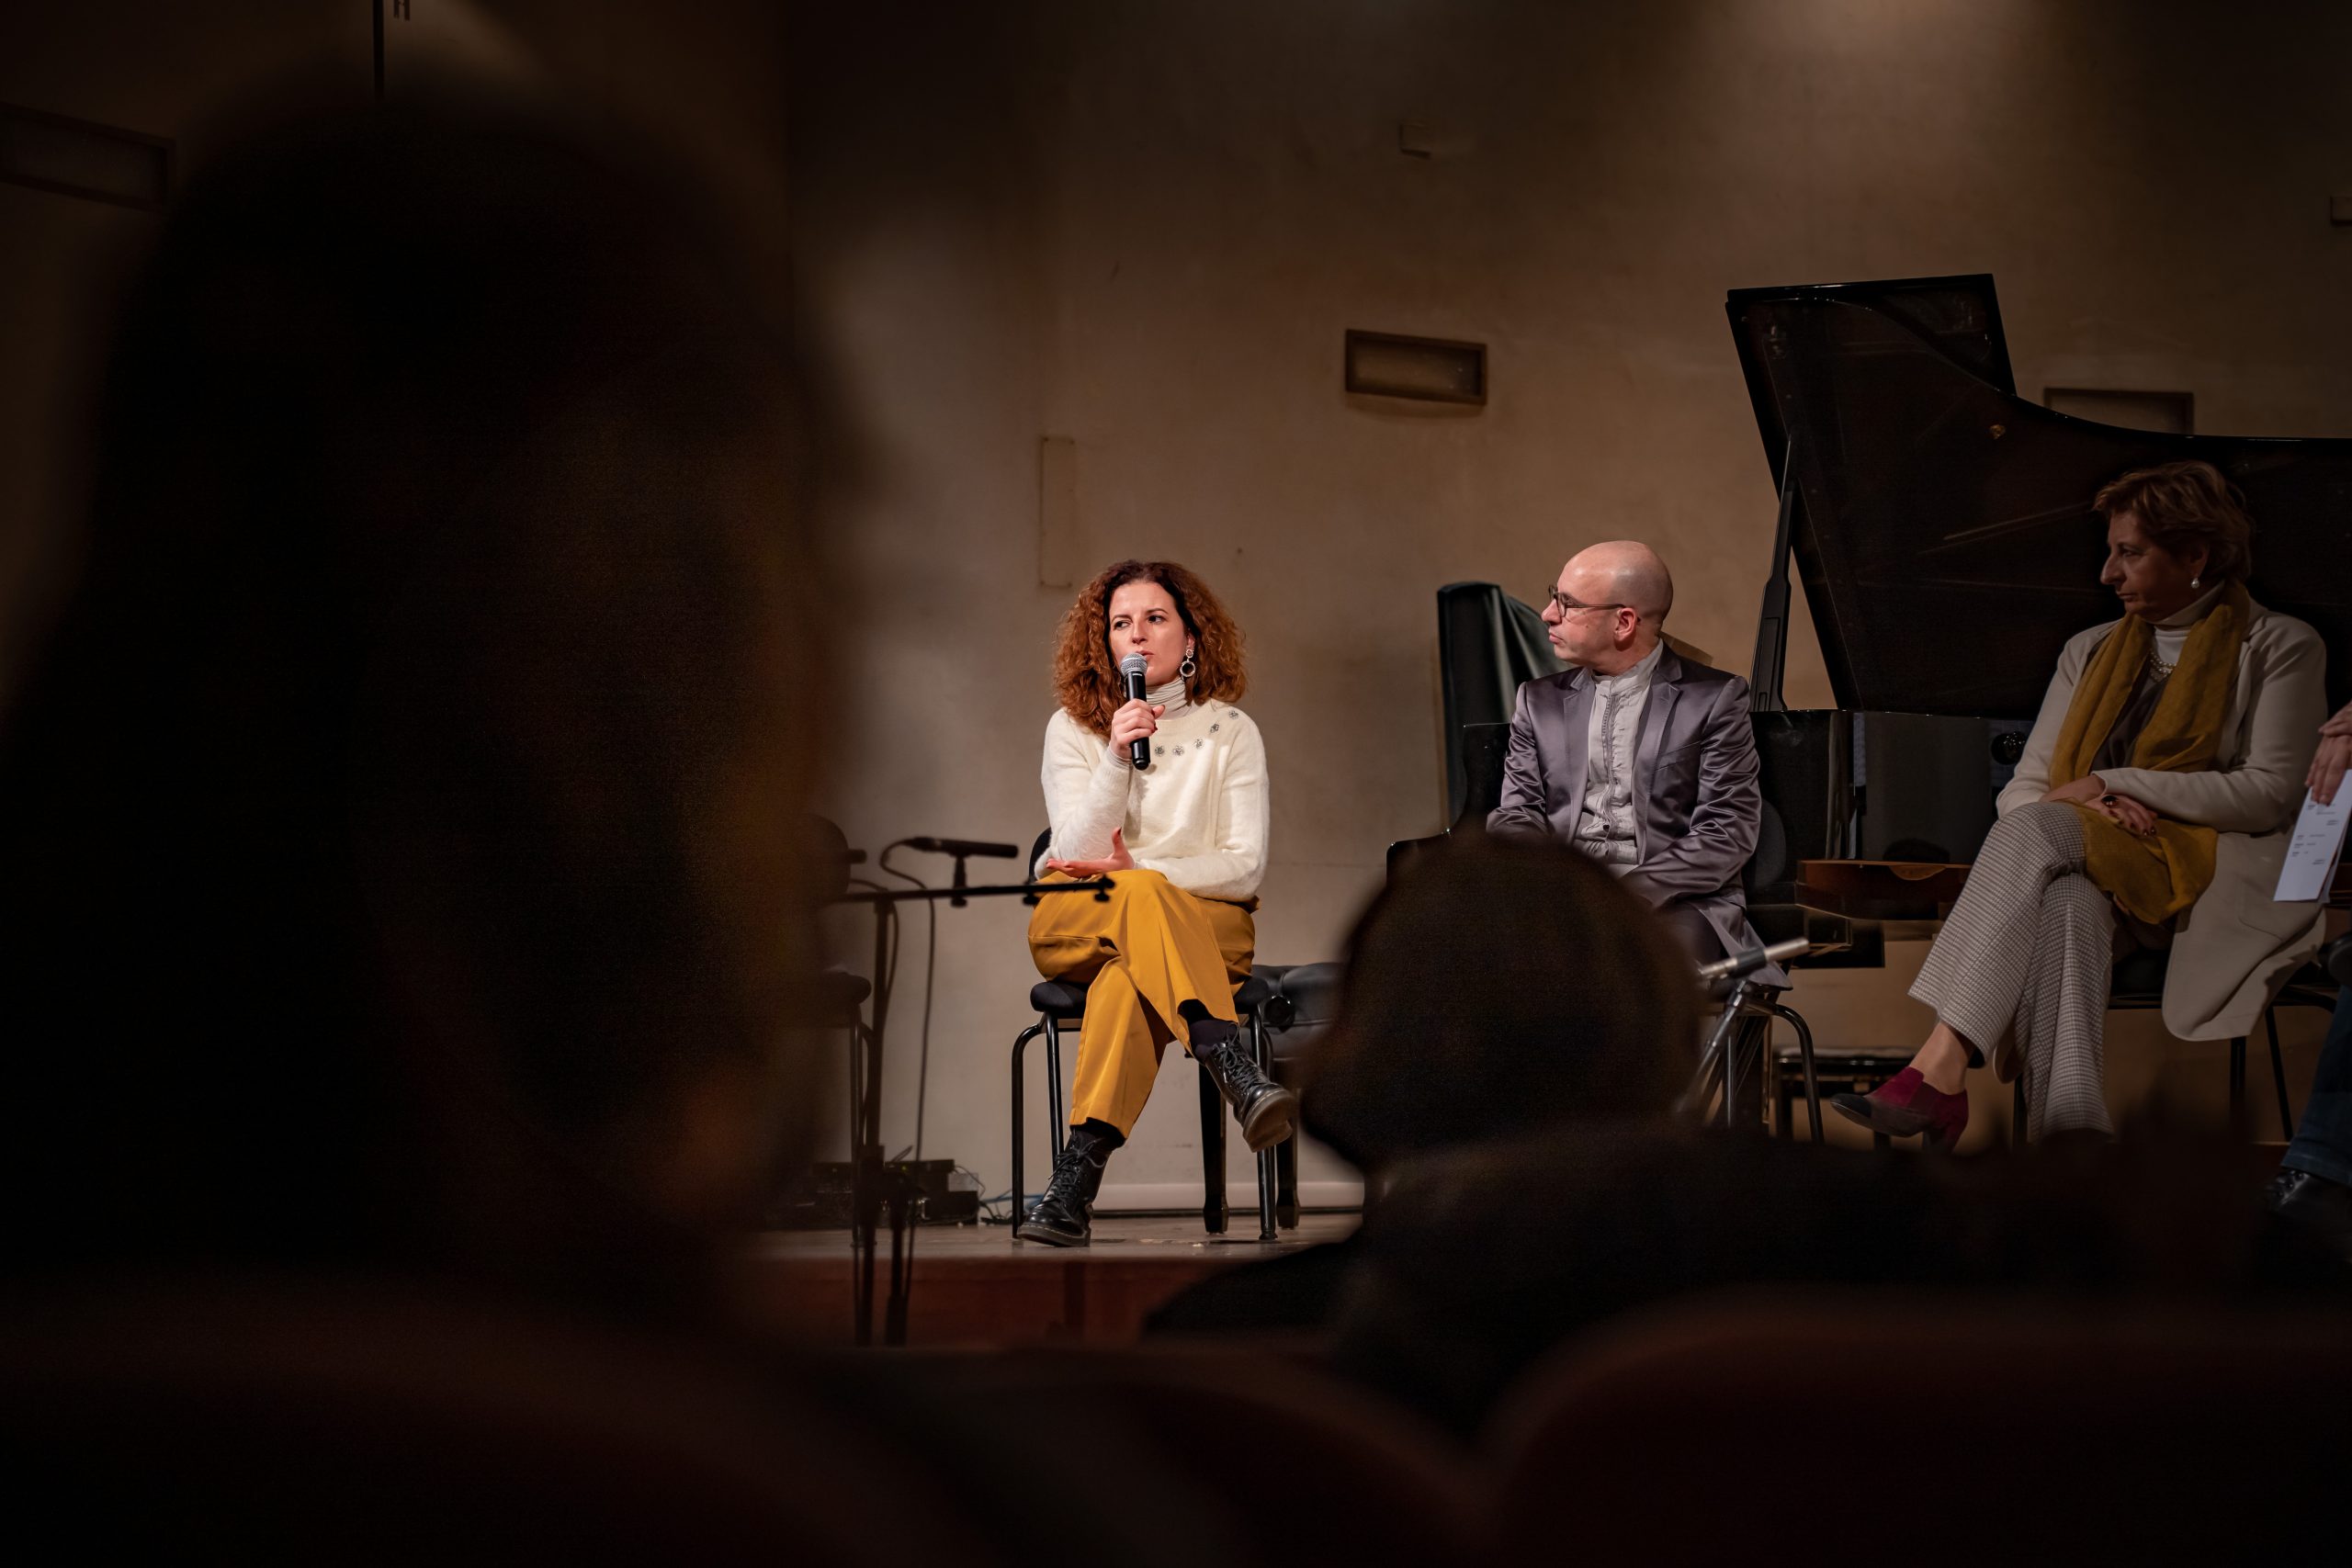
(1638, 757)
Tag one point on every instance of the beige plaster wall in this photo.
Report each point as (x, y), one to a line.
(1144, 227)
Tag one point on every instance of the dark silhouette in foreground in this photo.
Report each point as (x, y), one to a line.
(1497, 990)
(401, 914)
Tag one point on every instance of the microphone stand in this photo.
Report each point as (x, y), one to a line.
(871, 1185)
(1720, 1059)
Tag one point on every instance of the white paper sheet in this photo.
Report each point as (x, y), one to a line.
(2310, 853)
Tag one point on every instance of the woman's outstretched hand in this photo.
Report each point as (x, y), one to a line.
(2334, 757)
(1117, 860)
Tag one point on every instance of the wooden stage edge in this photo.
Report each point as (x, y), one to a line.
(974, 1286)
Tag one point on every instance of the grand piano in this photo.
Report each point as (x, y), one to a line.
(1941, 526)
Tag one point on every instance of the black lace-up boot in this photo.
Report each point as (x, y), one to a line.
(1063, 1214)
(1267, 1111)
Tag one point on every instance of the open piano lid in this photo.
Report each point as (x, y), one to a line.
(1942, 524)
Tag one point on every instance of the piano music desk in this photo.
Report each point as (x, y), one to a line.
(1909, 898)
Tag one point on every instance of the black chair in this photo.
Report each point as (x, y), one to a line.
(1061, 1006)
(1749, 1052)
(1760, 1008)
(2139, 986)
(1484, 748)
(1306, 1002)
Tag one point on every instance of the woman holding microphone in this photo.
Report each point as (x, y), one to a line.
(1182, 839)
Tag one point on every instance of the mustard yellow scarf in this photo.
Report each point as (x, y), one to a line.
(2154, 878)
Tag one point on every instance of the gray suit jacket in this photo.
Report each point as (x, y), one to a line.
(1694, 781)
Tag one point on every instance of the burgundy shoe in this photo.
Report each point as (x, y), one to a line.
(1903, 1105)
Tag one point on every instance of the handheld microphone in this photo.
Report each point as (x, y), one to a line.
(965, 847)
(1748, 963)
(1131, 669)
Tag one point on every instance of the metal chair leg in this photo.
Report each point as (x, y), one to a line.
(1214, 1213)
(1020, 1046)
(1812, 1078)
(1267, 1180)
(1286, 1183)
(1804, 1054)
(1053, 1082)
(2278, 1075)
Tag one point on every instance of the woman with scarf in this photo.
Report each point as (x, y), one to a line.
(2147, 810)
(1182, 839)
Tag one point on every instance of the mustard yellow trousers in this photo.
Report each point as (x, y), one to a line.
(1141, 956)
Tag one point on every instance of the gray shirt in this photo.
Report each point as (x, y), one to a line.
(1605, 827)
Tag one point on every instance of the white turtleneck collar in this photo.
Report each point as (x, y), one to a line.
(1174, 696)
(2172, 632)
(2189, 615)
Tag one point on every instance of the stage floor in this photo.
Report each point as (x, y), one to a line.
(974, 1285)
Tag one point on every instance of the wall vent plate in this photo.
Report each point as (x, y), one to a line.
(1386, 365)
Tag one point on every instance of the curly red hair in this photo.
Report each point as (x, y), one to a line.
(1086, 677)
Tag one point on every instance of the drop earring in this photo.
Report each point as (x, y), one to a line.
(1187, 669)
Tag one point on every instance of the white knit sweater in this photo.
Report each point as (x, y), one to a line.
(1197, 815)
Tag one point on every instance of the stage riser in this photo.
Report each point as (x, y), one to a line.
(976, 1287)
(961, 1304)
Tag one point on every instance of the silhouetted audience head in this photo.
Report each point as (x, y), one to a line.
(395, 824)
(1494, 989)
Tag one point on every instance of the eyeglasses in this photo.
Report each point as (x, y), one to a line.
(1567, 607)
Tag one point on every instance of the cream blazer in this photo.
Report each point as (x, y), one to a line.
(2235, 947)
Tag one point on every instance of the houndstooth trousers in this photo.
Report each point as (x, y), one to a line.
(2027, 954)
